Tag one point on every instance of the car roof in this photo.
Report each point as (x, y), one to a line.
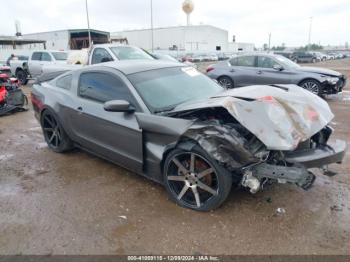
(136, 66)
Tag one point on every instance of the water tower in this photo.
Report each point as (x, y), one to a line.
(187, 7)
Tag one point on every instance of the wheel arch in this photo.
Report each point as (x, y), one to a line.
(308, 78)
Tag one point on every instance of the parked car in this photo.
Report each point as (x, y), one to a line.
(320, 56)
(269, 69)
(174, 125)
(171, 58)
(102, 53)
(32, 68)
(305, 57)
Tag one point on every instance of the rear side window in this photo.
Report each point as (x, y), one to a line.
(100, 55)
(266, 62)
(64, 82)
(103, 87)
(36, 56)
(233, 61)
(248, 61)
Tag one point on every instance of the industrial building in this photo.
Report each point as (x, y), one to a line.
(190, 38)
(70, 39)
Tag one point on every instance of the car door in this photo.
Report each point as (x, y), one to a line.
(34, 66)
(113, 135)
(242, 70)
(269, 71)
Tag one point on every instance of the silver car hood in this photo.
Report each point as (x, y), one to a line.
(280, 117)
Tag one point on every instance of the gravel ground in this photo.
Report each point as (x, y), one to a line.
(76, 203)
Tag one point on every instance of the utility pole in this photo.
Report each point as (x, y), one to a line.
(269, 42)
(310, 28)
(152, 36)
(88, 22)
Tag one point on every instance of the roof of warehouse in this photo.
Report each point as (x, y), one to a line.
(5, 40)
(71, 31)
(170, 27)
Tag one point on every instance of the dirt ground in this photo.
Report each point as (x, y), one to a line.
(76, 203)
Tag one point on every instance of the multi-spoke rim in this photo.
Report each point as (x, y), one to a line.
(52, 131)
(225, 82)
(311, 86)
(192, 179)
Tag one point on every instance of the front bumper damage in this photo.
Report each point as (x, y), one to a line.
(330, 88)
(296, 166)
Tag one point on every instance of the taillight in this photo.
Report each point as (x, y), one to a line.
(36, 102)
(210, 69)
(265, 99)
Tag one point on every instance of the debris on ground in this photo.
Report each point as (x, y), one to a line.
(280, 211)
(123, 217)
(336, 208)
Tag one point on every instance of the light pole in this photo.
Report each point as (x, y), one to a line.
(88, 22)
(269, 42)
(152, 37)
(310, 28)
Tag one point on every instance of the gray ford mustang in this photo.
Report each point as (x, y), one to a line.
(266, 69)
(176, 126)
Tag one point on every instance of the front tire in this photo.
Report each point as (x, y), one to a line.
(226, 82)
(194, 180)
(312, 85)
(54, 134)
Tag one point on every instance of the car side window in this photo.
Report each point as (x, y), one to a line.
(36, 56)
(103, 87)
(233, 61)
(100, 55)
(45, 57)
(266, 62)
(64, 82)
(248, 61)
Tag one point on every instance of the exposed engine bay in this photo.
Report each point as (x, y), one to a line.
(249, 159)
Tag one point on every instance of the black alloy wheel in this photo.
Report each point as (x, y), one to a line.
(195, 181)
(54, 135)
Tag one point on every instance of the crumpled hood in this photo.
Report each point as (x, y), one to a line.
(318, 70)
(280, 117)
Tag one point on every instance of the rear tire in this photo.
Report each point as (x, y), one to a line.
(226, 82)
(194, 180)
(54, 134)
(22, 76)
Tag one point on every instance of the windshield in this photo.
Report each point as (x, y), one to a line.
(130, 53)
(163, 89)
(60, 56)
(286, 62)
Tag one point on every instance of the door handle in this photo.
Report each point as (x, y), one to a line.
(232, 70)
(259, 72)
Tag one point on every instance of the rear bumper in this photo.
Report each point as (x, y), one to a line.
(318, 157)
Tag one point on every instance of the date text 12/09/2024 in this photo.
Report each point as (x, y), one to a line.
(173, 258)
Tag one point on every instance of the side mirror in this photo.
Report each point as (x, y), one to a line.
(118, 106)
(278, 67)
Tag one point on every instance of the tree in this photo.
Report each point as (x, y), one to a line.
(311, 47)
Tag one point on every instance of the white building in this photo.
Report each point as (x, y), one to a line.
(70, 39)
(187, 38)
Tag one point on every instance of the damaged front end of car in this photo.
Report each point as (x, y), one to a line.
(263, 134)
